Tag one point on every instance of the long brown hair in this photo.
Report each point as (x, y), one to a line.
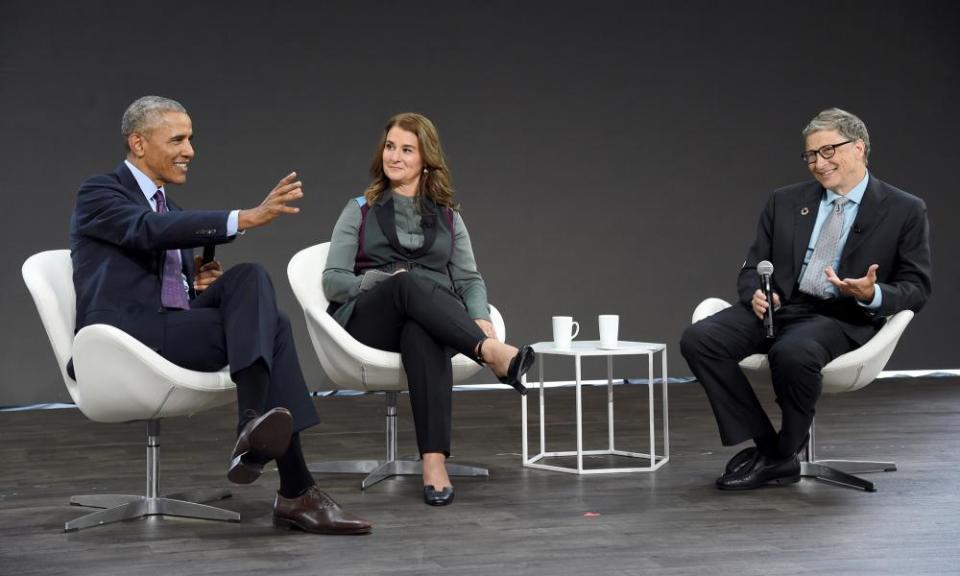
(436, 183)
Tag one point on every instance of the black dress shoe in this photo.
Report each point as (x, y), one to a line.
(761, 470)
(261, 440)
(314, 511)
(434, 497)
(518, 367)
(740, 458)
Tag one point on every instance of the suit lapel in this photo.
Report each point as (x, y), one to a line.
(129, 184)
(805, 214)
(872, 210)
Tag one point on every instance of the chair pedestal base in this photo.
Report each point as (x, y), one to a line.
(842, 472)
(377, 470)
(119, 507)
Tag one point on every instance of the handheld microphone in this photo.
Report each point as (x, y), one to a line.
(765, 270)
(208, 252)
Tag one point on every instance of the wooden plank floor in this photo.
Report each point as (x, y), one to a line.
(519, 521)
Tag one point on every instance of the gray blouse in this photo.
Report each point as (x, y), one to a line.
(340, 284)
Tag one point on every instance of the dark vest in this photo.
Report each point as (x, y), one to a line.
(380, 248)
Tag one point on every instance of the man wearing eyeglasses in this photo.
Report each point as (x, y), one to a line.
(848, 250)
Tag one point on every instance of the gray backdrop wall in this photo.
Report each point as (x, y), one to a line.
(610, 157)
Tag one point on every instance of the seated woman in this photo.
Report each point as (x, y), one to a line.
(401, 276)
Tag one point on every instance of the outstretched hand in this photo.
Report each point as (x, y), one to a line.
(860, 288)
(275, 204)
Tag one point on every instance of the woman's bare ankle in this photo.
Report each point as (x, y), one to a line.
(435, 470)
(500, 355)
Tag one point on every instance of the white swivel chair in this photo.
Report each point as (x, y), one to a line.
(351, 365)
(118, 380)
(846, 373)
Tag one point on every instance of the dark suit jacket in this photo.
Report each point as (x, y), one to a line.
(890, 230)
(117, 244)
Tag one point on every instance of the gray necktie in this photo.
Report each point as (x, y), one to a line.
(814, 281)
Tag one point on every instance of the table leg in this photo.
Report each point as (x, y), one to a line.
(610, 439)
(543, 421)
(666, 411)
(651, 413)
(523, 426)
(579, 419)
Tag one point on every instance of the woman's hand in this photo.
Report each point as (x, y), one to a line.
(487, 328)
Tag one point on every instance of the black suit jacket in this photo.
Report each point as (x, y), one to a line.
(117, 244)
(890, 230)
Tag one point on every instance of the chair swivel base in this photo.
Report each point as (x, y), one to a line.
(378, 470)
(842, 472)
(117, 507)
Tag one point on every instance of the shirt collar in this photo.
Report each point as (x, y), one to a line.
(147, 186)
(856, 194)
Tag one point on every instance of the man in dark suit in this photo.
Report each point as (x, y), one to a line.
(848, 250)
(133, 268)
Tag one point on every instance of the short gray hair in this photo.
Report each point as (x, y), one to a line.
(145, 111)
(847, 124)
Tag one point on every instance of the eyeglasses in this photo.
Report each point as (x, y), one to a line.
(825, 152)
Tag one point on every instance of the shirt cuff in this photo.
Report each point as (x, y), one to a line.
(233, 222)
(877, 299)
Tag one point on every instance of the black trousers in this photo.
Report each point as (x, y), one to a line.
(427, 324)
(236, 321)
(806, 340)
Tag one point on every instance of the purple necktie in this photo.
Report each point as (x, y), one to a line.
(172, 292)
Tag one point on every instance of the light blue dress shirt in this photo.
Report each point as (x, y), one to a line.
(149, 190)
(850, 210)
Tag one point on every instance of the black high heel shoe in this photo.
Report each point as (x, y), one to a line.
(518, 367)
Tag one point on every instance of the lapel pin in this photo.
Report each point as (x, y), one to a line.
(804, 211)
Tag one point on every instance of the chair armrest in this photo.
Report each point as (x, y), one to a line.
(708, 307)
(859, 367)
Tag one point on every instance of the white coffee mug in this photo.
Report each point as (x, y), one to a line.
(565, 329)
(609, 326)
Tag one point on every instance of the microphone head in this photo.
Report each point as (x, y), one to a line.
(765, 268)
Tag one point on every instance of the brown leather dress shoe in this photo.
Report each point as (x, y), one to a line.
(316, 512)
(262, 439)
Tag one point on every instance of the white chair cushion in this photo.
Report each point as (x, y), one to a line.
(347, 362)
(845, 373)
(118, 377)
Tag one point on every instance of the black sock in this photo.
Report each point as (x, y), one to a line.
(253, 382)
(295, 477)
(767, 444)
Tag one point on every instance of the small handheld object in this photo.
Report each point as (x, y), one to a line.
(765, 270)
(371, 278)
(208, 253)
